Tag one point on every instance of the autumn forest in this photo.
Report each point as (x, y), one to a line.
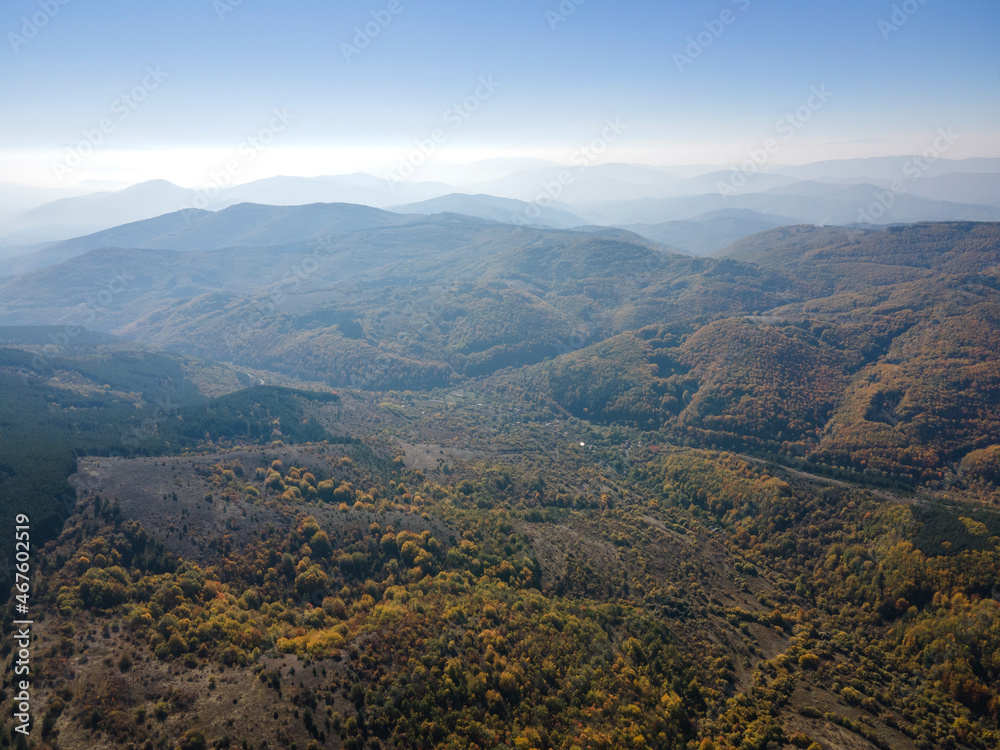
(473, 485)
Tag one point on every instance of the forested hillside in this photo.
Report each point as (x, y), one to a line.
(896, 378)
(459, 484)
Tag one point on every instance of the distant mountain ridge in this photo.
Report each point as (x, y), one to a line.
(710, 232)
(68, 217)
(610, 194)
(87, 214)
(504, 210)
(245, 224)
(811, 202)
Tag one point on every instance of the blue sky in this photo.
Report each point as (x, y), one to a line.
(560, 72)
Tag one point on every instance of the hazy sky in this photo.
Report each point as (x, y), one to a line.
(99, 90)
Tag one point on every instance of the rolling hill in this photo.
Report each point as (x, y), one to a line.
(757, 490)
(446, 296)
(840, 259)
(246, 225)
(504, 210)
(710, 232)
(811, 202)
(889, 365)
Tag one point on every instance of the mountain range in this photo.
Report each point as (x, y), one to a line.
(350, 294)
(271, 453)
(879, 191)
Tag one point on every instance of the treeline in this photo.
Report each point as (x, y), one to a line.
(125, 404)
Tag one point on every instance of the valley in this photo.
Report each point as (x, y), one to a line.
(500, 376)
(444, 482)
